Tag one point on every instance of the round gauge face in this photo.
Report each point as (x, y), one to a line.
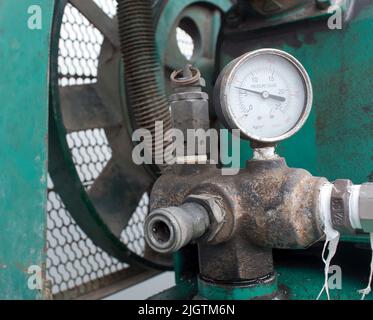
(267, 94)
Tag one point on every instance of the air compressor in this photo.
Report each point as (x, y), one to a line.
(260, 184)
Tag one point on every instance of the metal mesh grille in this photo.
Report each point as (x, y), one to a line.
(79, 48)
(72, 258)
(91, 152)
(73, 261)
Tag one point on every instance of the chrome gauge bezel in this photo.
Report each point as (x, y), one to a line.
(224, 112)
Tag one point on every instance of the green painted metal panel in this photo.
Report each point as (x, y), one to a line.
(340, 64)
(305, 284)
(24, 89)
(337, 141)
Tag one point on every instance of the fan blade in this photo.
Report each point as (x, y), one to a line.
(116, 194)
(83, 109)
(99, 19)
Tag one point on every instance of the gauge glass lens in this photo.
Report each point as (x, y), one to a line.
(266, 96)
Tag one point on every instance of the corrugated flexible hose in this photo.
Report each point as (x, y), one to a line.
(143, 72)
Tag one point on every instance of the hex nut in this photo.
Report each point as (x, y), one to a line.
(366, 207)
(190, 114)
(339, 206)
(216, 213)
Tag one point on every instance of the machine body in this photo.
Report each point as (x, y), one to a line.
(237, 220)
(95, 72)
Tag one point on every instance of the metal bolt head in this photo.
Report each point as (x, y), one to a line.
(366, 207)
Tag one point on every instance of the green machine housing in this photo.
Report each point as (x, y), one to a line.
(337, 140)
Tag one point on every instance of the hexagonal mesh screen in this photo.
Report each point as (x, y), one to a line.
(75, 265)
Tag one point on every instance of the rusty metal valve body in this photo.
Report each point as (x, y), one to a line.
(241, 218)
(267, 205)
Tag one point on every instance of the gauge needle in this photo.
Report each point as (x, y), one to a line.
(264, 94)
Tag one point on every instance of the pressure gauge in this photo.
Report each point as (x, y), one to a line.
(266, 94)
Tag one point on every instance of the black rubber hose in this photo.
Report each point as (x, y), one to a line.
(143, 72)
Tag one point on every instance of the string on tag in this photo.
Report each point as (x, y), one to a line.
(368, 289)
(332, 235)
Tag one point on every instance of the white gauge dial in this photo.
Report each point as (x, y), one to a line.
(267, 94)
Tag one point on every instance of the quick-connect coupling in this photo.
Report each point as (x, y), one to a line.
(169, 229)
